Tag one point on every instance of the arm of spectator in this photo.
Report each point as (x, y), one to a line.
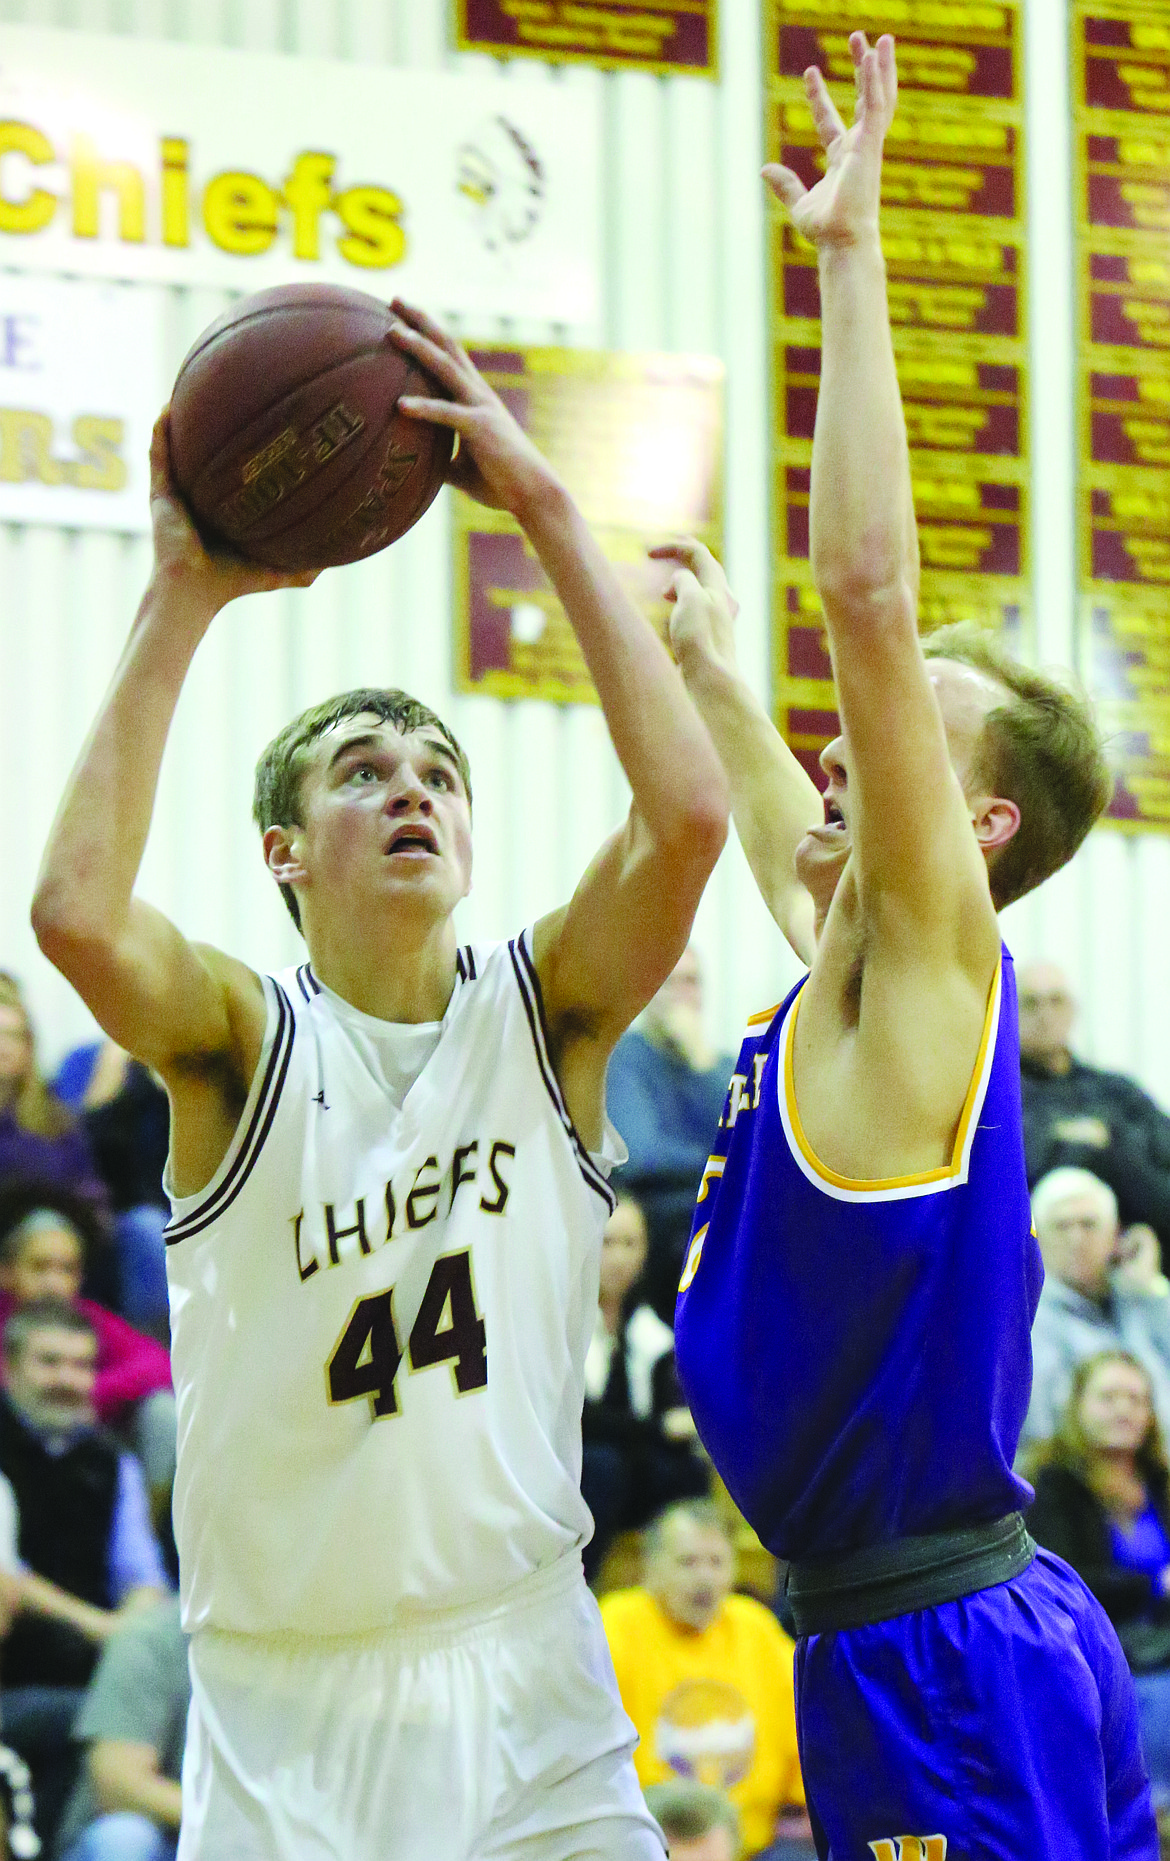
(40, 1597)
(130, 1365)
(670, 1404)
(1138, 1273)
(137, 1573)
(126, 1777)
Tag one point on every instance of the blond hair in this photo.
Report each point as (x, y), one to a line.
(35, 1105)
(1041, 749)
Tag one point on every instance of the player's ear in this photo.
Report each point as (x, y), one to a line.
(282, 854)
(995, 820)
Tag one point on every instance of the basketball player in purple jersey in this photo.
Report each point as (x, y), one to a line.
(854, 1315)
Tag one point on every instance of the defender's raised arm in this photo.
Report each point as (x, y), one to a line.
(913, 851)
(773, 801)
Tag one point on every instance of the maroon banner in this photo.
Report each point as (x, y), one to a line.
(1121, 66)
(647, 35)
(638, 439)
(953, 191)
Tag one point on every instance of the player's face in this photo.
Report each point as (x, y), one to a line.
(692, 1573)
(387, 823)
(52, 1378)
(48, 1266)
(1078, 1237)
(1115, 1407)
(623, 1251)
(964, 697)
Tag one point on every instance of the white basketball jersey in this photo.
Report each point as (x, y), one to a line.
(380, 1314)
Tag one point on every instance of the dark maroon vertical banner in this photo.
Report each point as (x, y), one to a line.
(654, 35)
(1121, 66)
(953, 233)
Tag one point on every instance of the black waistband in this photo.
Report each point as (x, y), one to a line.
(910, 1573)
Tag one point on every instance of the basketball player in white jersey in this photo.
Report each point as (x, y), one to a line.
(388, 1179)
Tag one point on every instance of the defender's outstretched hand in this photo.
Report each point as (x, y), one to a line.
(212, 577)
(495, 461)
(844, 205)
(702, 623)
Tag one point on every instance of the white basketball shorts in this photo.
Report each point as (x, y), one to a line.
(494, 1733)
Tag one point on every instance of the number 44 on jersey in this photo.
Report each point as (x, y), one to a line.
(367, 1356)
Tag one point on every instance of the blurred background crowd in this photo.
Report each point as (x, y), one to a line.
(93, 1675)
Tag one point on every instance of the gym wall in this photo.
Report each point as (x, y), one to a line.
(682, 270)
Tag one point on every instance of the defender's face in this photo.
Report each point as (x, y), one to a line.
(964, 696)
(1115, 1407)
(387, 822)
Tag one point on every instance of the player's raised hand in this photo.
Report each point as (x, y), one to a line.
(844, 206)
(211, 577)
(702, 623)
(495, 462)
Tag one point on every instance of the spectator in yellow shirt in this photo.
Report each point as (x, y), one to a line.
(706, 1676)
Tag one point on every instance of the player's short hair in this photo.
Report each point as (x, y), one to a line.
(685, 1811)
(42, 1315)
(276, 798)
(1060, 1185)
(1041, 749)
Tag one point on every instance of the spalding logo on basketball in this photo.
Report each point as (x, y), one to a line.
(286, 442)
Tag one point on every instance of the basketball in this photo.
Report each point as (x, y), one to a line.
(286, 442)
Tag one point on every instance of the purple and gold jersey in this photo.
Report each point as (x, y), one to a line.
(857, 1354)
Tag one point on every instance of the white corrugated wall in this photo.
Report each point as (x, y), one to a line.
(683, 269)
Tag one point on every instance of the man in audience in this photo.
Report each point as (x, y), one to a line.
(665, 1089)
(84, 1536)
(1103, 1290)
(698, 1821)
(126, 1803)
(1077, 1114)
(706, 1676)
(42, 1255)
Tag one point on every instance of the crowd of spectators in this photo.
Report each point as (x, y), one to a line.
(87, 1420)
(93, 1675)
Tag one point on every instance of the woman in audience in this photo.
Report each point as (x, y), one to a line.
(640, 1447)
(42, 1256)
(39, 1139)
(1103, 1504)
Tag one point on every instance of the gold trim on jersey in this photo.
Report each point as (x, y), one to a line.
(766, 1016)
(947, 1172)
